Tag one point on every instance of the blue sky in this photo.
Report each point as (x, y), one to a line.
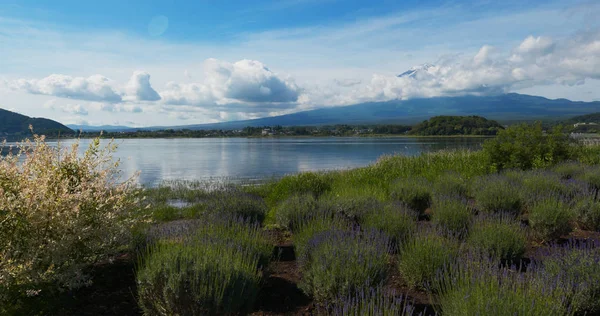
(182, 62)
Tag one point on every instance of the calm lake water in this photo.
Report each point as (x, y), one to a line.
(251, 159)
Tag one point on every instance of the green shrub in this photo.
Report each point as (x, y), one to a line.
(236, 203)
(497, 193)
(527, 146)
(569, 170)
(587, 211)
(307, 230)
(537, 185)
(422, 257)
(579, 265)
(452, 216)
(591, 176)
(294, 211)
(396, 222)
(499, 237)
(551, 218)
(354, 208)
(371, 302)
(480, 288)
(450, 185)
(414, 192)
(301, 183)
(60, 212)
(339, 262)
(197, 279)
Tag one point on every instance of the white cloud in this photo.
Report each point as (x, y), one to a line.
(536, 61)
(74, 109)
(139, 87)
(93, 88)
(246, 81)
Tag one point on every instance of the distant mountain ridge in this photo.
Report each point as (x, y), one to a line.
(505, 107)
(12, 123)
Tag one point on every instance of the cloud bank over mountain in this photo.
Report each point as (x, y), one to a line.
(249, 86)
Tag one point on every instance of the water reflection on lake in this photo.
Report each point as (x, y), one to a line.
(256, 158)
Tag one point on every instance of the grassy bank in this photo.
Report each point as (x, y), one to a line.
(450, 232)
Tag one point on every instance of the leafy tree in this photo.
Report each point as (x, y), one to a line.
(527, 146)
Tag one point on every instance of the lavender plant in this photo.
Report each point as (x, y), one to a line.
(578, 263)
(415, 192)
(197, 278)
(497, 193)
(341, 262)
(452, 215)
(476, 286)
(587, 210)
(292, 212)
(551, 218)
(422, 257)
(498, 236)
(370, 302)
(395, 221)
(451, 185)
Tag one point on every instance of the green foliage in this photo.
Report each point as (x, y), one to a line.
(450, 184)
(480, 288)
(371, 302)
(340, 262)
(587, 211)
(296, 210)
(202, 267)
(414, 192)
(422, 257)
(580, 266)
(496, 193)
(394, 221)
(569, 170)
(16, 124)
(591, 176)
(61, 211)
(197, 279)
(307, 230)
(527, 146)
(302, 183)
(352, 207)
(551, 218)
(457, 125)
(499, 237)
(452, 216)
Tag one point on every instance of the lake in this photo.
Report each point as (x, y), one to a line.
(252, 159)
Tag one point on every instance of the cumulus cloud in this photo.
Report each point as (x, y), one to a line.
(247, 81)
(139, 87)
(75, 109)
(535, 61)
(93, 88)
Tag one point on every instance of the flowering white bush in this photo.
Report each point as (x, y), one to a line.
(60, 211)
